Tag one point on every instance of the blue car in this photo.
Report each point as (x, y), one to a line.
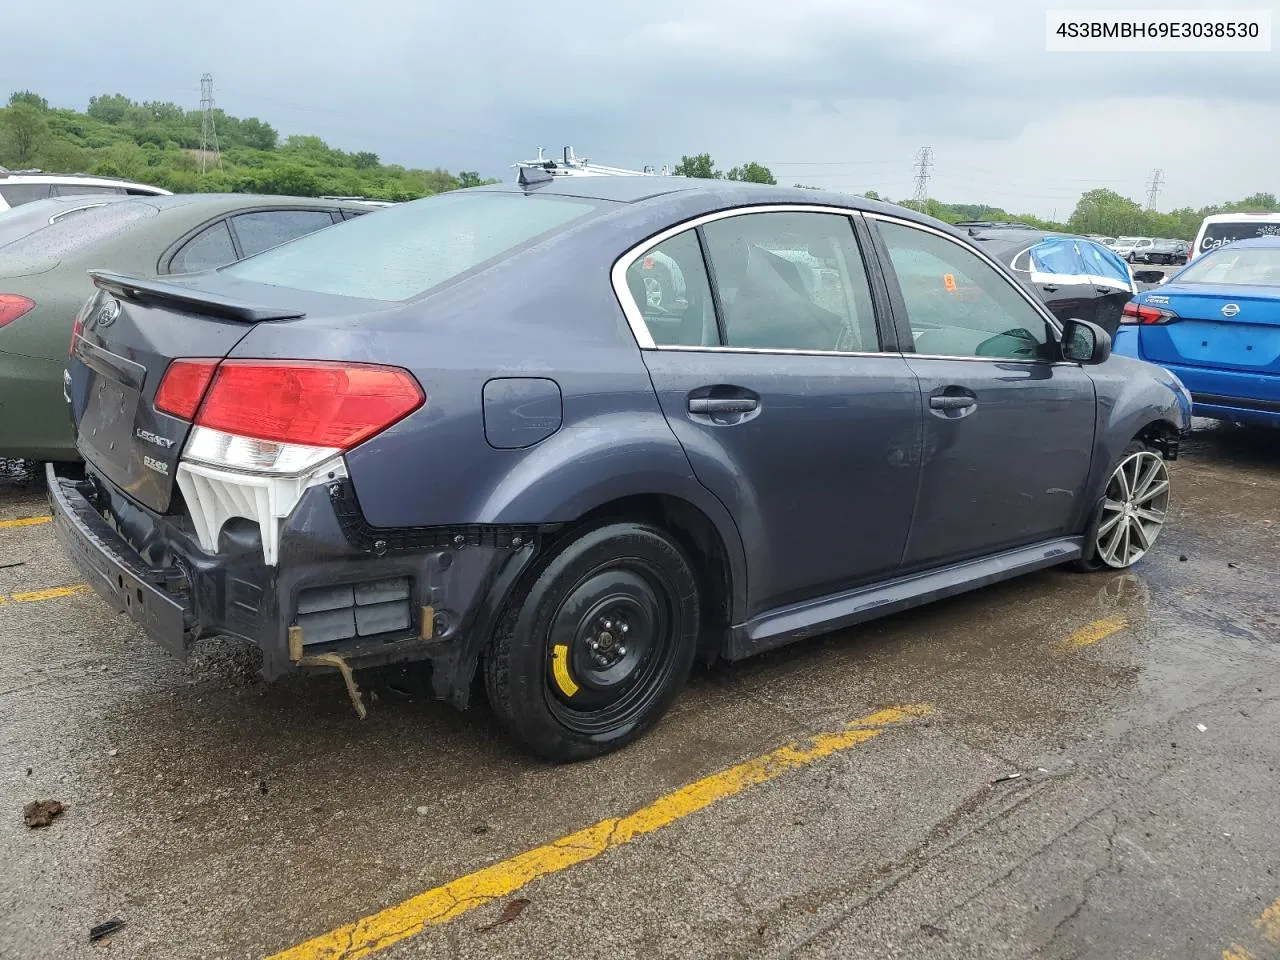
(1216, 325)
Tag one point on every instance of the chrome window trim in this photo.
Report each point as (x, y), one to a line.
(1000, 268)
(631, 310)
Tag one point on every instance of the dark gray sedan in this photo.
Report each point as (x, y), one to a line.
(576, 434)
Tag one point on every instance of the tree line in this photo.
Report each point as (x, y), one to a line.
(159, 143)
(1101, 211)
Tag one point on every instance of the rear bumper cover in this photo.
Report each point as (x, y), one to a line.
(151, 567)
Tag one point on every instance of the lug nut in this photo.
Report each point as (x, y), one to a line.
(622, 626)
(622, 651)
(594, 645)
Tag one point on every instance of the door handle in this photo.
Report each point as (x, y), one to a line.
(951, 403)
(1109, 290)
(1049, 288)
(722, 404)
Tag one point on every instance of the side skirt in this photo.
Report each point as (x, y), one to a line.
(785, 625)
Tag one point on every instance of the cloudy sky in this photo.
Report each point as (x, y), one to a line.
(835, 93)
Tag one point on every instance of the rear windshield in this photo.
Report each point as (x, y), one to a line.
(1229, 231)
(48, 246)
(1250, 265)
(405, 250)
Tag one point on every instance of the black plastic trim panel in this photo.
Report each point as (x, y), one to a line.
(381, 540)
(1240, 403)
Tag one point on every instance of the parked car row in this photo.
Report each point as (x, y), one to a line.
(1149, 250)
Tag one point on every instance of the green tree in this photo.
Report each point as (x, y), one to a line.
(30, 98)
(871, 195)
(699, 165)
(110, 108)
(24, 130)
(469, 178)
(364, 160)
(261, 136)
(751, 172)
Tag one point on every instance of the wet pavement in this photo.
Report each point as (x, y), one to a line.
(221, 817)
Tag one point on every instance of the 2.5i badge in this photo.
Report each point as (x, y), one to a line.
(159, 466)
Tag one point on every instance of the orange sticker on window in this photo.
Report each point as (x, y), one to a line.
(949, 281)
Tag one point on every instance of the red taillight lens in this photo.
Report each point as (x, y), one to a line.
(311, 402)
(12, 306)
(1135, 312)
(183, 387)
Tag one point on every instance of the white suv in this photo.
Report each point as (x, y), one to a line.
(22, 186)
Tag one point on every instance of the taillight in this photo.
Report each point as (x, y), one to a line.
(308, 402)
(1135, 312)
(183, 387)
(13, 306)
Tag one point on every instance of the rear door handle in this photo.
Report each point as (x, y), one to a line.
(1049, 288)
(722, 404)
(952, 403)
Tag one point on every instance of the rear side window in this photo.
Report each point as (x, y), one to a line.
(669, 285)
(1057, 255)
(209, 248)
(16, 194)
(265, 229)
(791, 281)
(410, 248)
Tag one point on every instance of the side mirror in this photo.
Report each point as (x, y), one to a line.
(1085, 342)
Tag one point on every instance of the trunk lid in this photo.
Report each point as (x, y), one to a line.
(128, 333)
(1234, 328)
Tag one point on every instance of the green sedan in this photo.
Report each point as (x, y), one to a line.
(44, 281)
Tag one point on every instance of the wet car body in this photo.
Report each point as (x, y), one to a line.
(548, 414)
(1219, 335)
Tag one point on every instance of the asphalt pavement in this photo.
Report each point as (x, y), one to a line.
(1062, 766)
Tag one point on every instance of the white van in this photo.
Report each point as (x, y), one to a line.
(1223, 228)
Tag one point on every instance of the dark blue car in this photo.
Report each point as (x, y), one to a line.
(575, 434)
(1216, 325)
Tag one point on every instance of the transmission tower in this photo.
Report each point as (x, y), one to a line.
(208, 135)
(1153, 188)
(924, 160)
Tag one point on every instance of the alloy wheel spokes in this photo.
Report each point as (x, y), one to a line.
(1134, 510)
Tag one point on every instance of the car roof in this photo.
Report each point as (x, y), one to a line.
(1242, 216)
(215, 202)
(725, 193)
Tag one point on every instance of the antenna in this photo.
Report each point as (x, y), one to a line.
(924, 160)
(1153, 188)
(208, 135)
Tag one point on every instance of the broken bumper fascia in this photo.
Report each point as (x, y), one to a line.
(151, 567)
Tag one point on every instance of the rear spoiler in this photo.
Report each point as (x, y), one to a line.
(185, 298)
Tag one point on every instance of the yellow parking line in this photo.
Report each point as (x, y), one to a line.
(24, 522)
(1093, 632)
(380, 930)
(1269, 923)
(53, 593)
(1237, 952)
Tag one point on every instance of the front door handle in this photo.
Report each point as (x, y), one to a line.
(951, 403)
(722, 404)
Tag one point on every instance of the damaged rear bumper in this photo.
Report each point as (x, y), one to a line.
(343, 593)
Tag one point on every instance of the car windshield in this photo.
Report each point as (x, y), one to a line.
(404, 251)
(1259, 266)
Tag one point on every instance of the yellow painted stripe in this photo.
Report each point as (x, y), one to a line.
(53, 593)
(24, 522)
(1090, 634)
(1269, 923)
(1237, 952)
(380, 930)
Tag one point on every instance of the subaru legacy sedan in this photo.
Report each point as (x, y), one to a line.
(573, 435)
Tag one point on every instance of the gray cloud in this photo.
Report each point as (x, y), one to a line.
(834, 92)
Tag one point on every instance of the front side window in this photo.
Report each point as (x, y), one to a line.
(669, 286)
(264, 229)
(209, 248)
(957, 304)
(791, 281)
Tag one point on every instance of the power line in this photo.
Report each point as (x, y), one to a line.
(924, 160)
(208, 135)
(1153, 188)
